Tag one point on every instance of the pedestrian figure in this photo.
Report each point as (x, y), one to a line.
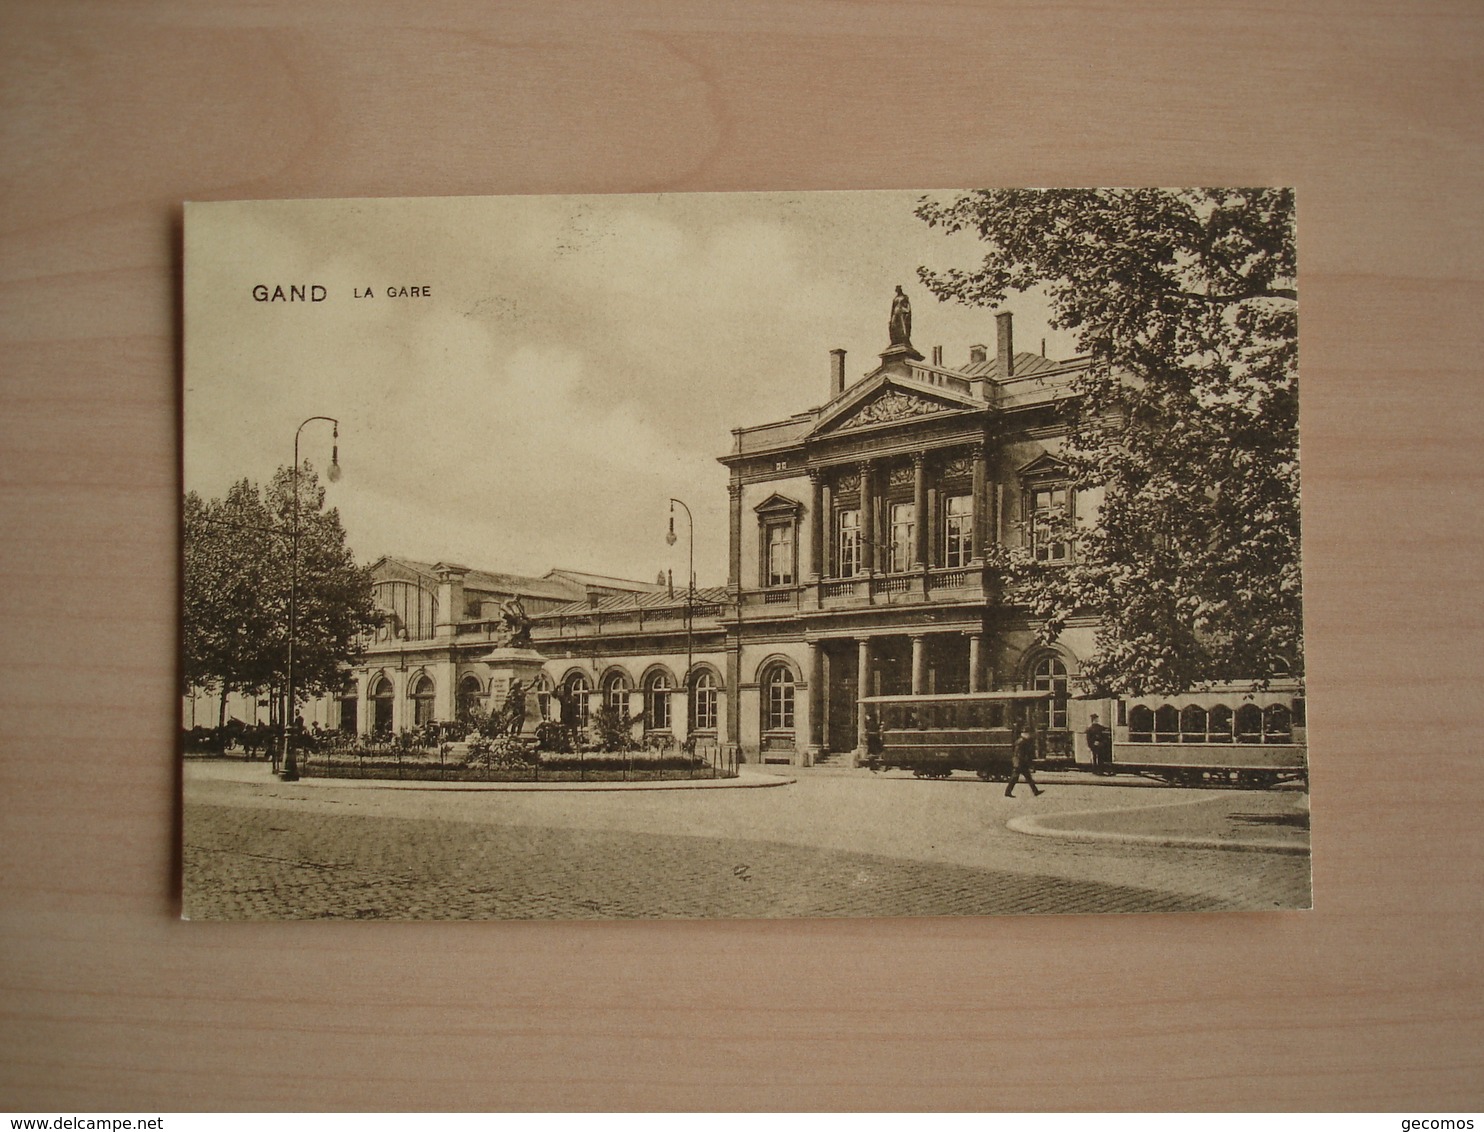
(1023, 744)
(1100, 744)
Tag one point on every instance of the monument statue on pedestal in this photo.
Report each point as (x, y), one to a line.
(514, 624)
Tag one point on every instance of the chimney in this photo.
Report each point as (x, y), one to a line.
(837, 373)
(1005, 337)
(978, 355)
(938, 356)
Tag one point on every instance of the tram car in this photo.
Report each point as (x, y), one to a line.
(933, 736)
(1220, 737)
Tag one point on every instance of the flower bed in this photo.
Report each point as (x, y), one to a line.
(443, 765)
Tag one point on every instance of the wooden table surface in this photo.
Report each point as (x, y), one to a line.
(113, 114)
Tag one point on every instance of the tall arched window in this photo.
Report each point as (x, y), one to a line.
(616, 692)
(575, 693)
(778, 699)
(1050, 675)
(542, 688)
(382, 695)
(657, 702)
(703, 702)
(422, 701)
(1140, 724)
(471, 696)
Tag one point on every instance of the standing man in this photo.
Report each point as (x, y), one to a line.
(1023, 744)
(1100, 744)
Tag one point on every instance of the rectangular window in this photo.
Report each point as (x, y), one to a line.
(958, 530)
(848, 523)
(1049, 516)
(780, 554)
(903, 535)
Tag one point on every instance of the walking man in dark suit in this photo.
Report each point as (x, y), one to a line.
(1023, 744)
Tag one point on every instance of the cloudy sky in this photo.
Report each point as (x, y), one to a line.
(580, 359)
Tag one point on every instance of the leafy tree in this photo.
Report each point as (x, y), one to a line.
(1185, 424)
(334, 606)
(237, 573)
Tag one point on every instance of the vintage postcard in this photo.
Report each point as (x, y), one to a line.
(743, 555)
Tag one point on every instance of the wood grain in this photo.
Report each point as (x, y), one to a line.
(113, 114)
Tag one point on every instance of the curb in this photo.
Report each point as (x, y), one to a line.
(741, 782)
(1035, 826)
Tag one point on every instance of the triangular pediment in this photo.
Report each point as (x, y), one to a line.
(1043, 465)
(883, 402)
(777, 504)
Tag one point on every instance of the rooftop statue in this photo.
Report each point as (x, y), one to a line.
(900, 326)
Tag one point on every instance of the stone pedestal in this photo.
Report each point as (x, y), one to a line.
(507, 665)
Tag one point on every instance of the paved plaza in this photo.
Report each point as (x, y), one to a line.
(824, 845)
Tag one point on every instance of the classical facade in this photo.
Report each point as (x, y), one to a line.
(860, 532)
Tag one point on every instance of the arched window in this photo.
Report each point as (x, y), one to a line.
(616, 692)
(1167, 724)
(1193, 724)
(1219, 724)
(703, 702)
(1249, 724)
(422, 701)
(542, 687)
(471, 696)
(657, 702)
(349, 704)
(1140, 724)
(576, 709)
(1277, 724)
(382, 695)
(778, 699)
(1050, 675)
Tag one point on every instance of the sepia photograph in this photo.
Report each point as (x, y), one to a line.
(743, 555)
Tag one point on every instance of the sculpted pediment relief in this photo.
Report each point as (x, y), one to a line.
(888, 406)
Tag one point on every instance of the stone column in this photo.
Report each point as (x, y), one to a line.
(862, 688)
(976, 663)
(734, 562)
(920, 507)
(816, 525)
(445, 688)
(815, 672)
(680, 714)
(733, 704)
(981, 478)
(868, 519)
(919, 664)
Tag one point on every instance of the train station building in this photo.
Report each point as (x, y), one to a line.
(860, 538)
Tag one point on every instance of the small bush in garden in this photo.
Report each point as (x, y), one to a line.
(556, 737)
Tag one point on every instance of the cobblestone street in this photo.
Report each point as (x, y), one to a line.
(821, 846)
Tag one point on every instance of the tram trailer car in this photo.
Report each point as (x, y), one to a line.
(932, 736)
(1228, 736)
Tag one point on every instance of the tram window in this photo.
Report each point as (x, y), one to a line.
(997, 715)
(1249, 724)
(1193, 724)
(1299, 710)
(1167, 724)
(1140, 725)
(1275, 725)
(1219, 724)
(1122, 713)
(891, 717)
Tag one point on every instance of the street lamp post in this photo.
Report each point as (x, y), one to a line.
(690, 597)
(290, 763)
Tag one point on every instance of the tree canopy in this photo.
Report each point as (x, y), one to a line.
(237, 574)
(1185, 421)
